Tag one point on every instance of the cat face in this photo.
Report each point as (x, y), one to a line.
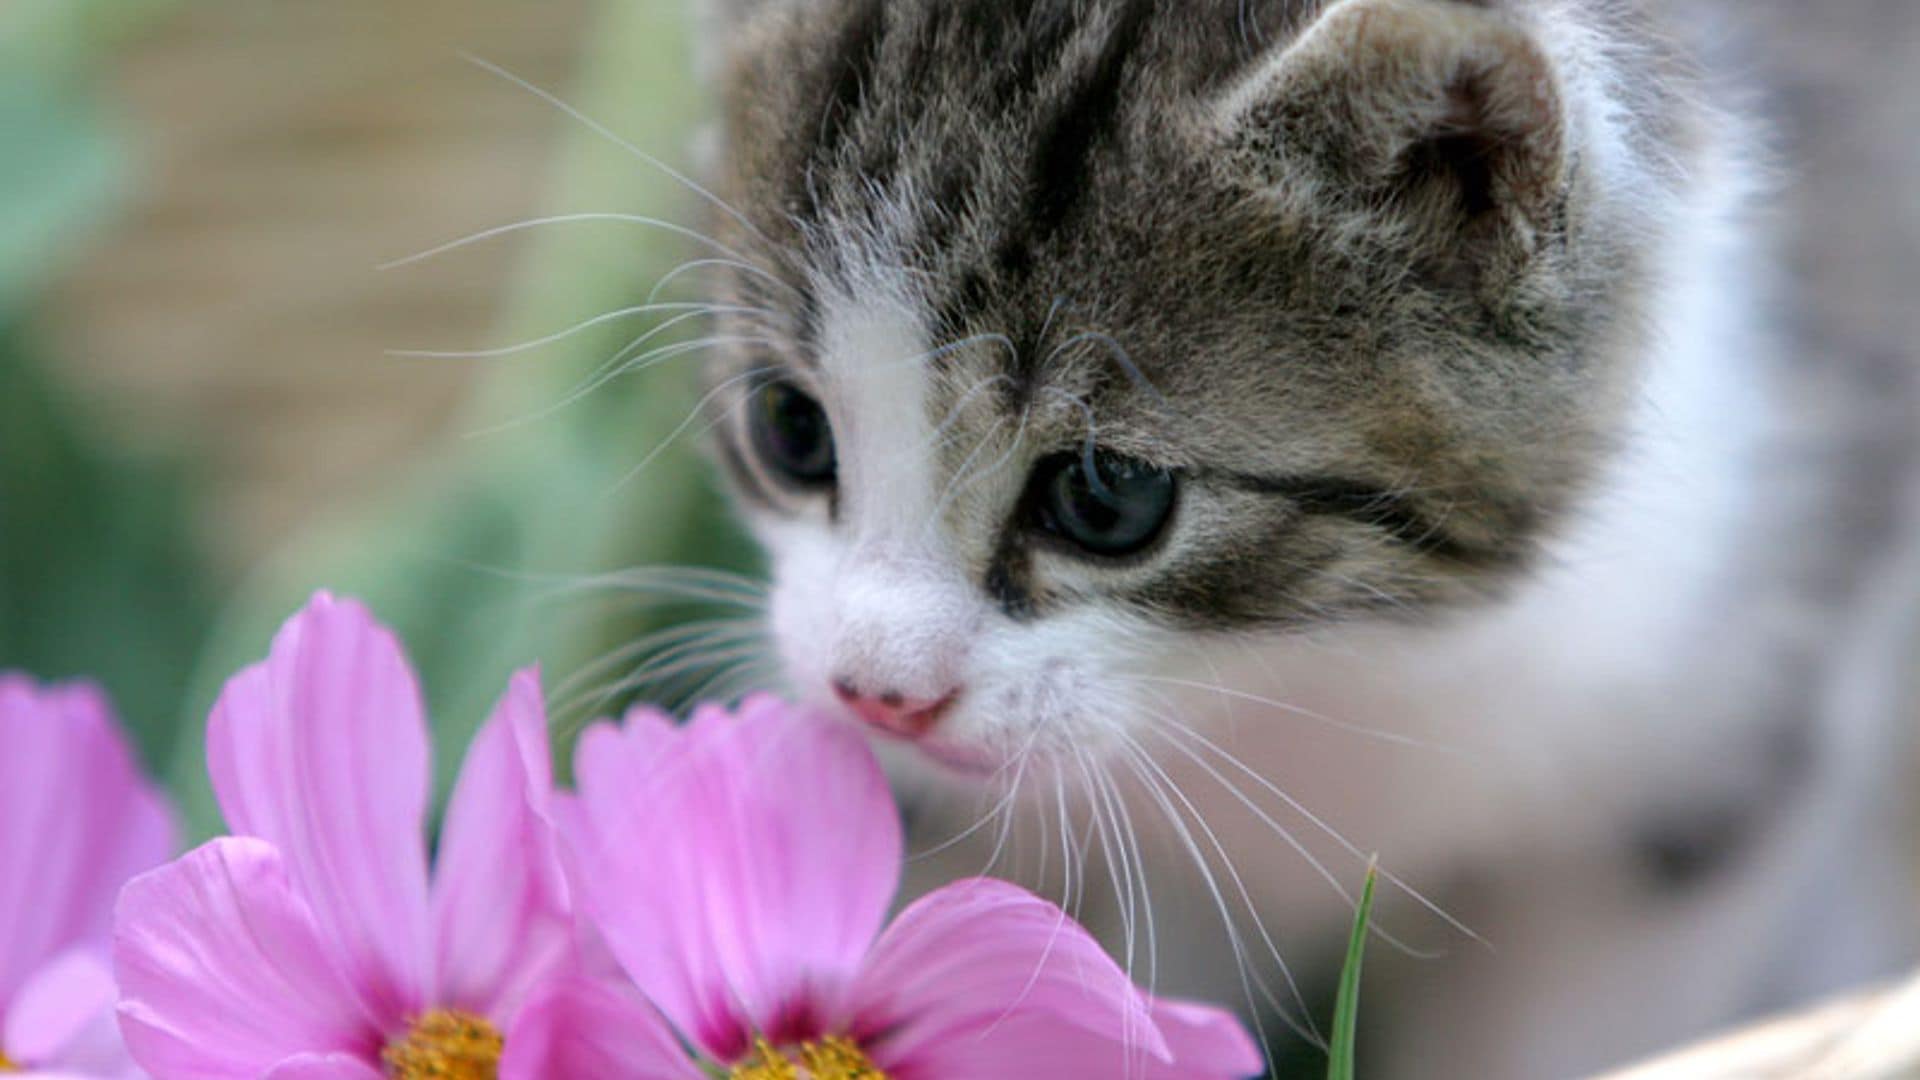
(1066, 337)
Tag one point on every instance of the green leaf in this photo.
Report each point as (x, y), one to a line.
(1347, 1009)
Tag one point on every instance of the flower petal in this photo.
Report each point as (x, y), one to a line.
(1035, 1044)
(323, 1067)
(322, 750)
(980, 961)
(502, 920)
(77, 819)
(223, 971)
(63, 1018)
(738, 869)
(593, 1028)
(1207, 1041)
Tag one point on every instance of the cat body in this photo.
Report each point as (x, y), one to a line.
(1281, 432)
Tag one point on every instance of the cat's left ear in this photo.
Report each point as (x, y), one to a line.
(1445, 113)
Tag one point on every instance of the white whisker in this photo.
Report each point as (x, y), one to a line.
(608, 133)
(544, 221)
(1233, 875)
(1297, 807)
(576, 329)
(963, 482)
(1295, 710)
(1006, 820)
(692, 416)
(620, 365)
(1137, 858)
(1303, 1026)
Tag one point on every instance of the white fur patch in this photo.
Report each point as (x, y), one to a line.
(883, 598)
(872, 352)
(875, 600)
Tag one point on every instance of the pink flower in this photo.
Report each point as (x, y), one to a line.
(77, 819)
(741, 869)
(311, 943)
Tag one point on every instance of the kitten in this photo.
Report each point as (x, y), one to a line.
(1377, 394)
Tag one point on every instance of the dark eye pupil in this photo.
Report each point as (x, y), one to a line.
(791, 432)
(1114, 506)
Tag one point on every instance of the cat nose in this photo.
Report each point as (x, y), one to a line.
(892, 711)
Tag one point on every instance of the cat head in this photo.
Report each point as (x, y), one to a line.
(1065, 336)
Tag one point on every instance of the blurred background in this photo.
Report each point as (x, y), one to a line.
(202, 418)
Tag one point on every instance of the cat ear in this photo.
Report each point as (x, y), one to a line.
(1446, 112)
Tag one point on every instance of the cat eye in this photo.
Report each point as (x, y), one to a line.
(1109, 505)
(791, 434)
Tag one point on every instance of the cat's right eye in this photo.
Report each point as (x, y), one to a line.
(1107, 505)
(791, 433)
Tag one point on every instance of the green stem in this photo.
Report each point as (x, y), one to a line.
(1347, 1010)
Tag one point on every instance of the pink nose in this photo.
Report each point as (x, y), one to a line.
(892, 711)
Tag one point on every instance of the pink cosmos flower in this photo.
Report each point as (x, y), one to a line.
(77, 819)
(740, 871)
(311, 943)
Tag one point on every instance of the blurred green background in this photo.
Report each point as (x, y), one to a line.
(200, 418)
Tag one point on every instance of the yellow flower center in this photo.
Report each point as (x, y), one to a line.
(833, 1058)
(7, 1065)
(445, 1044)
